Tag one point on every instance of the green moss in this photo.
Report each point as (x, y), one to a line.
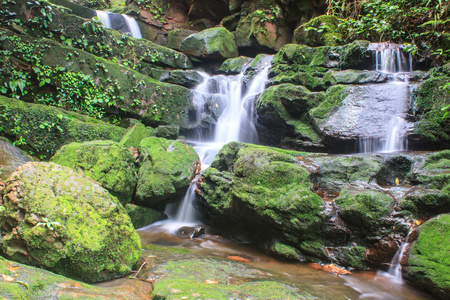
(353, 256)
(363, 209)
(67, 224)
(319, 31)
(165, 170)
(423, 203)
(45, 129)
(429, 262)
(234, 65)
(215, 42)
(286, 251)
(110, 164)
(333, 100)
(354, 55)
(314, 249)
(135, 134)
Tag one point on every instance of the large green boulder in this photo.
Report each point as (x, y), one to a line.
(262, 194)
(320, 31)
(44, 129)
(166, 168)
(212, 43)
(108, 163)
(429, 260)
(62, 221)
(234, 65)
(430, 124)
(363, 209)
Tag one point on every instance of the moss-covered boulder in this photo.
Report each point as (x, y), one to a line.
(430, 124)
(135, 133)
(143, 216)
(261, 193)
(107, 162)
(283, 111)
(429, 260)
(44, 129)
(234, 65)
(186, 78)
(320, 31)
(176, 37)
(214, 43)
(363, 209)
(166, 168)
(262, 29)
(60, 220)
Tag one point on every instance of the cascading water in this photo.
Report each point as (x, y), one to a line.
(390, 58)
(236, 122)
(131, 24)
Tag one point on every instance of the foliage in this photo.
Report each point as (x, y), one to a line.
(423, 22)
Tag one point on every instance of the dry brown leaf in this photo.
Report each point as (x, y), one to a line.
(7, 278)
(211, 281)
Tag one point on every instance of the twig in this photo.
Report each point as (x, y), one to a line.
(135, 275)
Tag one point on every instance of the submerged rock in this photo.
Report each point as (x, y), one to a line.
(57, 219)
(188, 232)
(428, 261)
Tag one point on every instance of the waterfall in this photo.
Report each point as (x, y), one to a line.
(131, 24)
(390, 58)
(236, 123)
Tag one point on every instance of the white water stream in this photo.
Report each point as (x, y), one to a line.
(132, 26)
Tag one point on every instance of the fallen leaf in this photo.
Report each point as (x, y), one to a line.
(315, 266)
(12, 268)
(7, 278)
(335, 269)
(418, 222)
(211, 281)
(397, 182)
(238, 258)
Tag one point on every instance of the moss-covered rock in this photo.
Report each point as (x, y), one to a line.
(320, 31)
(353, 77)
(431, 125)
(176, 37)
(25, 282)
(231, 280)
(363, 209)
(428, 261)
(262, 29)
(107, 162)
(186, 78)
(213, 43)
(286, 251)
(234, 65)
(261, 193)
(350, 256)
(135, 133)
(166, 168)
(143, 216)
(60, 220)
(77, 80)
(44, 129)
(426, 203)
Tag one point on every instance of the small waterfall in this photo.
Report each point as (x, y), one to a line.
(390, 58)
(131, 24)
(234, 124)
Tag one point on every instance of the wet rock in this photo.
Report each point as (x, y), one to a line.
(104, 161)
(214, 43)
(354, 77)
(209, 9)
(394, 170)
(363, 209)
(428, 263)
(187, 79)
(382, 252)
(425, 203)
(143, 216)
(189, 232)
(234, 65)
(67, 224)
(10, 158)
(176, 37)
(286, 252)
(166, 168)
(349, 256)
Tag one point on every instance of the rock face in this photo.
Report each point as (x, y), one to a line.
(66, 223)
(166, 168)
(214, 43)
(320, 31)
(108, 163)
(428, 261)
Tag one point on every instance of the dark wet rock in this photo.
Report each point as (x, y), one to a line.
(214, 43)
(261, 193)
(106, 162)
(382, 252)
(209, 9)
(166, 168)
(426, 203)
(188, 79)
(190, 232)
(394, 168)
(286, 251)
(67, 224)
(176, 37)
(428, 261)
(143, 216)
(168, 131)
(363, 209)
(349, 256)
(62, 127)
